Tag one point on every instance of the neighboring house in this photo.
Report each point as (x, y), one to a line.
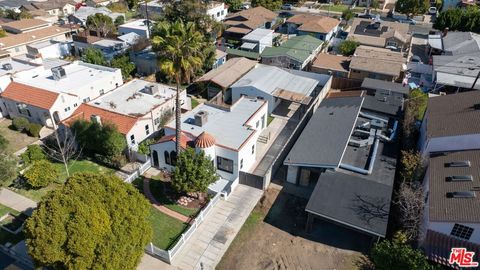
(29, 31)
(154, 9)
(454, 43)
(394, 35)
(145, 61)
(56, 93)
(137, 108)
(80, 16)
(11, 68)
(277, 85)
(377, 63)
(451, 123)
(221, 78)
(321, 27)
(49, 49)
(109, 47)
(384, 97)
(347, 157)
(57, 8)
(14, 5)
(296, 53)
(335, 65)
(95, 3)
(450, 216)
(257, 40)
(217, 10)
(228, 136)
(220, 58)
(139, 27)
(130, 39)
(241, 23)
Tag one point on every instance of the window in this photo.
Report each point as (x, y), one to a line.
(462, 231)
(257, 124)
(147, 129)
(22, 109)
(224, 164)
(102, 92)
(156, 121)
(263, 120)
(218, 14)
(75, 105)
(241, 163)
(173, 157)
(355, 71)
(167, 157)
(253, 149)
(67, 109)
(223, 12)
(132, 139)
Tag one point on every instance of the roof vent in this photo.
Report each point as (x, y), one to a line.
(58, 73)
(201, 118)
(151, 89)
(461, 194)
(7, 66)
(476, 106)
(460, 178)
(462, 163)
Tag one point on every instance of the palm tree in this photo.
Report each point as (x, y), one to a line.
(179, 49)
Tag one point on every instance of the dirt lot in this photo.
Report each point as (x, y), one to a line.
(16, 139)
(274, 238)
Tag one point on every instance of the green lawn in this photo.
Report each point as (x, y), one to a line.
(269, 119)
(4, 235)
(166, 229)
(5, 209)
(340, 8)
(195, 102)
(156, 187)
(74, 167)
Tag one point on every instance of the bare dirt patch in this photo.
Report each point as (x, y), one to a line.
(274, 238)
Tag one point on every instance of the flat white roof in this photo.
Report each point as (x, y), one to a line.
(16, 65)
(43, 44)
(78, 74)
(270, 78)
(133, 99)
(137, 24)
(107, 42)
(257, 34)
(227, 126)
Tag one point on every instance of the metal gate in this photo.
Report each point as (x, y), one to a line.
(251, 180)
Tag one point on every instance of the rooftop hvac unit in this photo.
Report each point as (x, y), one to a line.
(201, 118)
(58, 73)
(7, 66)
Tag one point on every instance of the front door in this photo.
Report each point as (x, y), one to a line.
(155, 158)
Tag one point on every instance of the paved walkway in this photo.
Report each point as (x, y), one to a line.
(159, 206)
(205, 248)
(151, 263)
(17, 201)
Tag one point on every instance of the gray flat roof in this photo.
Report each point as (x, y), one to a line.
(353, 202)
(375, 84)
(227, 126)
(130, 99)
(383, 102)
(324, 139)
(257, 34)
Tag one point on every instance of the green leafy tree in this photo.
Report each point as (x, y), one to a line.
(33, 153)
(459, 19)
(119, 21)
(8, 163)
(33, 129)
(144, 147)
(40, 174)
(411, 166)
(412, 7)
(348, 47)
(268, 4)
(132, 3)
(398, 255)
(415, 107)
(194, 172)
(102, 24)
(234, 4)
(94, 56)
(94, 221)
(123, 62)
(179, 48)
(348, 14)
(20, 123)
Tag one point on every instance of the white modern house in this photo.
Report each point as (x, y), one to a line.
(137, 108)
(275, 84)
(12, 68)
(49, 49)
(257, 40)
(451, 123)
(227, 135)
(139, 27)
(217, 10)
(55, 94)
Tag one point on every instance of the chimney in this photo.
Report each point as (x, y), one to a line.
(445, 32)
(201, 118)
(152, 89)
(96, 119)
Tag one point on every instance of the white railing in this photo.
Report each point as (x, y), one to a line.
(167, 255)
(143, 168)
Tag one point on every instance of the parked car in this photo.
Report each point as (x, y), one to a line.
(287, 6)
(393, 48)
(285, 14)
(432, 11)
(416, 59)
(368, 16)
(409, 21)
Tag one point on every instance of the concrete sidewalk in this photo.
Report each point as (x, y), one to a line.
(210, 241)
(17, 201)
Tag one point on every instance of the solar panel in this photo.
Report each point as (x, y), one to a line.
(459, 178)
(462, 163)
(461, 194)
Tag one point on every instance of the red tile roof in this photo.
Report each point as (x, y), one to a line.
(204, 140)
(124, 123)
(27, 94)
(184, 139)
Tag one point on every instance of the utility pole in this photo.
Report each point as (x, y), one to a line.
(476, 79)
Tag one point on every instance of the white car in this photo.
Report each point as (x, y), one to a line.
(432, 11)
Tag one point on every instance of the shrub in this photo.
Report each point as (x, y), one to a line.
(348, 47)
(20, 123)
(40, 174)
(34, 153)
(144, 147)
(33, 129)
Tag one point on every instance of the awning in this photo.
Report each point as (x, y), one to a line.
(248, 46)
(219, 185)
(292, 96)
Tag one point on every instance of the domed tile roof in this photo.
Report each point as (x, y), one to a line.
(204, 140)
